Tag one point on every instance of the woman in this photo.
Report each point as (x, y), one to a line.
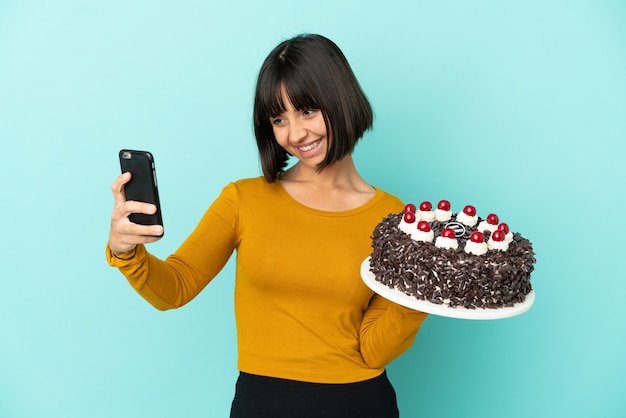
(313, 340)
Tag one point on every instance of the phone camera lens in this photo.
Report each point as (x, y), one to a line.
(126, 155)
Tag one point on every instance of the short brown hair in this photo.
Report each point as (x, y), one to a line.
(315, 75)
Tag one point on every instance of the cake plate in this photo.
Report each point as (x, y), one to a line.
(459, 312)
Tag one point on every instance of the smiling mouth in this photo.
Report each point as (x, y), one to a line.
(310, 146)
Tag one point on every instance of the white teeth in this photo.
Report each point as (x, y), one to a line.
(309, 147)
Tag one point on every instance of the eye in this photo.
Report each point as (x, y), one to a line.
(309, 112)
(276, 121)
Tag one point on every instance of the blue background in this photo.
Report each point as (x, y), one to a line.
(516, 107)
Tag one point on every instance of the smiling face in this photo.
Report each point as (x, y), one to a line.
(301, 132)
(331, 112)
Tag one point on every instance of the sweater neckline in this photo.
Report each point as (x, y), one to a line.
(350, 212)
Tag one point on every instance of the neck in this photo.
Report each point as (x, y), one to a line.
(340, 172)
(336, 188)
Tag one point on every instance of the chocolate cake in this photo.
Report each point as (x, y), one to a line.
(458, 260)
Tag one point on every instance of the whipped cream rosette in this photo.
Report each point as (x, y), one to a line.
(447, 239)
(508, 237)
(468, 217)
(490, 224)
(443, 212)
(425, 212)
(497, 241)
(476, 244)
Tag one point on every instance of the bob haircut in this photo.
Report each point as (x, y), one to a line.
(315, 75)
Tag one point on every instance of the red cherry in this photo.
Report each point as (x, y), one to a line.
(423, 226)
(409, 208)
(469, 210)
(443, 205)
(492, 219)
(448, 233)
(477, 237)
(426, 206)
(409, 217)
(498, 235)
(504, 228)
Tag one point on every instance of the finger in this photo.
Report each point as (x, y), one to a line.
(132, 233)
(133, 206)
(125, 235)
(118, 188)
(121, 212)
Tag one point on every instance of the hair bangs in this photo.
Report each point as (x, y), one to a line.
(296, 90)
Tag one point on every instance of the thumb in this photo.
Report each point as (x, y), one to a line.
(118, 188)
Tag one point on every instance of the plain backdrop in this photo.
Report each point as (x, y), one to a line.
(516, 107)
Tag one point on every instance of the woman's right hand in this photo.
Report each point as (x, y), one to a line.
(124, 235)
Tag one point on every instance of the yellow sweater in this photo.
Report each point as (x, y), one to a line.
(302, 310)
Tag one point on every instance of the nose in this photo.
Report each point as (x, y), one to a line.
(297, 131)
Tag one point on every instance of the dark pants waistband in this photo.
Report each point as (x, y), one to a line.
(262, 396)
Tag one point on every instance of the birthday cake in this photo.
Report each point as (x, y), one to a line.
(452, 259)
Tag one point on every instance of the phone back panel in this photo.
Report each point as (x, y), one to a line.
(143, 184)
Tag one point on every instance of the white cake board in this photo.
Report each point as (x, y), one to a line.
(411, 302)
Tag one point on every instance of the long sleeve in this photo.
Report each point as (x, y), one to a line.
(173, 282)
(387, 331)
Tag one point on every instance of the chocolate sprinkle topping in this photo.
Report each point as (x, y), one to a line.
(451, 277)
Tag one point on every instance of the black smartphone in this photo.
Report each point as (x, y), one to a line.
(142, 186)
